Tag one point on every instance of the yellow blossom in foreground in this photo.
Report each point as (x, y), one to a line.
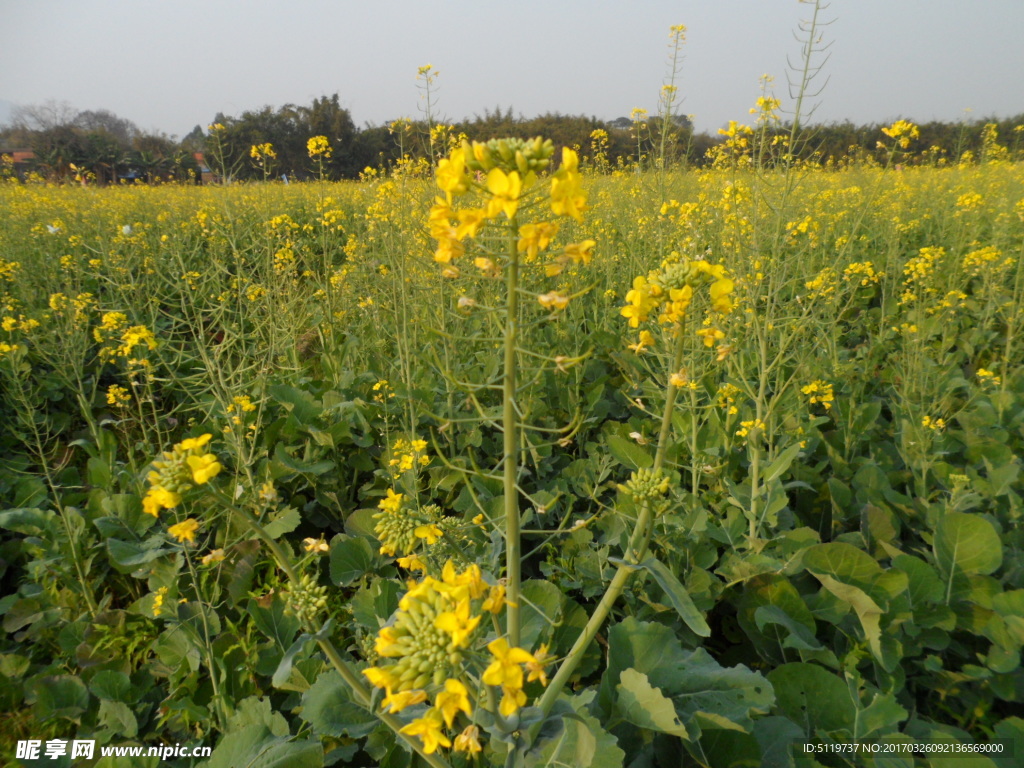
(452, 176)
(203, 467)
(185, 531)
(214, 556)
(505, 669)
(452, 700)
(430, 532)
(412, 563)
(567, 198)
(158, 601)
(318, 546)
(159, 498)
(469, 740)
(396, 702)
(505, 189)
(646, 340)
(459, 624)
(428, 728)
(553, 300)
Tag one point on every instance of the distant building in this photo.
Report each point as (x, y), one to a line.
(205, 174)
(22, 159)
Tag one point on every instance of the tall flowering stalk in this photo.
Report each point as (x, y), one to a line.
(669, 291)
(501, 177)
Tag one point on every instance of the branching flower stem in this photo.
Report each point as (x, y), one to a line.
(635, 552)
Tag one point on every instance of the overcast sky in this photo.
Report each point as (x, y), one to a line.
(169, 65)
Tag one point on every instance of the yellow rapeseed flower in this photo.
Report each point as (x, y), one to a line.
(185, 531)
(203, 467)
(452, 700)
(505, 189)
(428, 728)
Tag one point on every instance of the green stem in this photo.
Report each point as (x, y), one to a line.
(639, 540)
(510, 431)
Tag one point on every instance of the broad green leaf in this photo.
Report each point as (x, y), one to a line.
(283, 672)
(58, 696)
(541, 610)
(701, 689)
(281, 521)
(776, 592)
(351, 558)
(128, 555)
(282, 458)
(776, 736)
(842, 561)
(256, 747)
(813, 698)
(652, 649)
(27, 521)
(374, 603)
(116, 716)
(299, 403)
(781, 463)
(967, 543)
(720, 697)
(257, 711)
(798, 637)
(330, 708)
(580, 742)
(628, 454)
(923, 583)
(111, 684)
(643, 705)
(883, 715)
(274, 621)
(736, 567)
(677, 596)
(867, 611)
(846, 564)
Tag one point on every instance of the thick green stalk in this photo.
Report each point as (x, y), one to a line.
(510, 430)
(634, 554)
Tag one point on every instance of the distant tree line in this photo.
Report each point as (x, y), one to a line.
(101, 146)
(94, 145)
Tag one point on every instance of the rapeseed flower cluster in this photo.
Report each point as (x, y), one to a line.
(505, 174)
(670, 290)
(862, 272)
(119, 338)
(185, 465)
(820, 393)
(435, 653)
(903, 132)
(407, 455)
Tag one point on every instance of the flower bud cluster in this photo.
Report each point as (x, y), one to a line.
(509, 155)
(646, 485)
(306, 598)
(400, 528)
